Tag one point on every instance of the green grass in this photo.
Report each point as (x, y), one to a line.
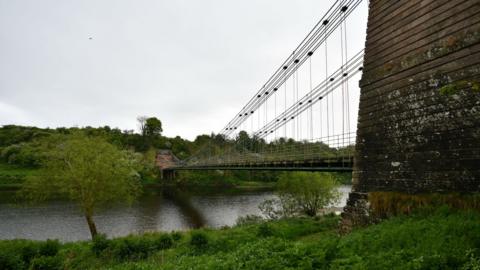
(13, 176)
(444, 239)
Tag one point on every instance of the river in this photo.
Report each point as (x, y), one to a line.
(156, 210)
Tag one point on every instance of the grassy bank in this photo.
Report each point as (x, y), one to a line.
(12, 177)
(442, 239)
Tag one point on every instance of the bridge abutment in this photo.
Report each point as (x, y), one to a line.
(165, 161)
(419, 118)
(168, 175)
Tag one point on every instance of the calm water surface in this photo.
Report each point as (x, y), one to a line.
(157, 210)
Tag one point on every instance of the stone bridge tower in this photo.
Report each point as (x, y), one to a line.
(419, 118)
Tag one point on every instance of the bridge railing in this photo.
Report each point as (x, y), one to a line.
(332, 148)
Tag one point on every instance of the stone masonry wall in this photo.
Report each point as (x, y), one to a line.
(419, 118)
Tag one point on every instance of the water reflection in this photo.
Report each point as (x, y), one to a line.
(156, 210)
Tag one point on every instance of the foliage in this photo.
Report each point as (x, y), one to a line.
(198, 240)
(278, 208)
(10, 261)
(307, 193)
(473, 262)
(87, 170)
(49, 248)
(100, 243)
(249, 220)
(133, 248)
(439, 238)
(12, 134)
(226, 178)
(264, 230)
(13, 175)
(46, 263)
(148, 170)
(344, 178)
(164, 241)
(153, 126)
(176, 236)
(29, 252)
(26, 147)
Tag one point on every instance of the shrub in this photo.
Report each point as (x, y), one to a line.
(8, 153)
(49, 248)
(248, 220)
(10, 261)
(46, 263)
(28, 252)
(308, 192)
(264, 230)
(139, 248)
(165, 241)
(176, 236)
(473, 263)
(198, 240)
(99, 244)
(278, 208)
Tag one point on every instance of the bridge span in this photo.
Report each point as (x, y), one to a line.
(403, 111)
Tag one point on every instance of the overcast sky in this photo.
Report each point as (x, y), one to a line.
(193, 64)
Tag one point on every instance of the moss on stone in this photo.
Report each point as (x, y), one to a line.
(455, 87)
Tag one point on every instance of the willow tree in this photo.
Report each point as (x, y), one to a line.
(306, 192)
(87, 170)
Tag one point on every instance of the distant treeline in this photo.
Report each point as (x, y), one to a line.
(22, 146)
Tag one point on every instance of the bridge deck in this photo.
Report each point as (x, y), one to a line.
(331, 165)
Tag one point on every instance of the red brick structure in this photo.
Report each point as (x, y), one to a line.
(165, 160)
(419, 118)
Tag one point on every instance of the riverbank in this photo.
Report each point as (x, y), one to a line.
(442, 239)
(12, 177)
(238, 185)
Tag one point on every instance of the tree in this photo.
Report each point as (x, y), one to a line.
(142, 124)
(87, 170)
(153, 127)
(307, 192)
(150, 131)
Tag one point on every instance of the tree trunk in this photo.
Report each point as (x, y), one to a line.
(311, 211)
(91, 225)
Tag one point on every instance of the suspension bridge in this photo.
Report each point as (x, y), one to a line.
(401, 112)
(304, 116)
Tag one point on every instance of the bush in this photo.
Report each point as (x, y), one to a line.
(49, 248)
(165, 241)
(276, 209)
(99, 244)
(198, 240)
(176, 236)
(249, 220)
(10, 261)
(473, 262)
(307, 192)
(8, 153)
(46, 263)
(264, 230)
(28, 252)
(138, 248)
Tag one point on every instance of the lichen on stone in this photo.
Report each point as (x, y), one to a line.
(453, 88)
